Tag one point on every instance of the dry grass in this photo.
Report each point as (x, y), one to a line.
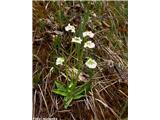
(108, 98)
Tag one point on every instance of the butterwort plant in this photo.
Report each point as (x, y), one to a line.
(71, 90)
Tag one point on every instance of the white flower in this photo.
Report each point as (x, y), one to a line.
(88, 33)
(89, 44)
(91, 63)
(77, 40)
(70, 27)
(60, 61)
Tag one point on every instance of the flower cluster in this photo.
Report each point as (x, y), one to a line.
(91, 63)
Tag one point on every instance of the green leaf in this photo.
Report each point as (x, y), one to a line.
(57, 42)
(78, 97)
(71, 86)
(60, 85)
(59, 92)
(67, 101)
(82, 89)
